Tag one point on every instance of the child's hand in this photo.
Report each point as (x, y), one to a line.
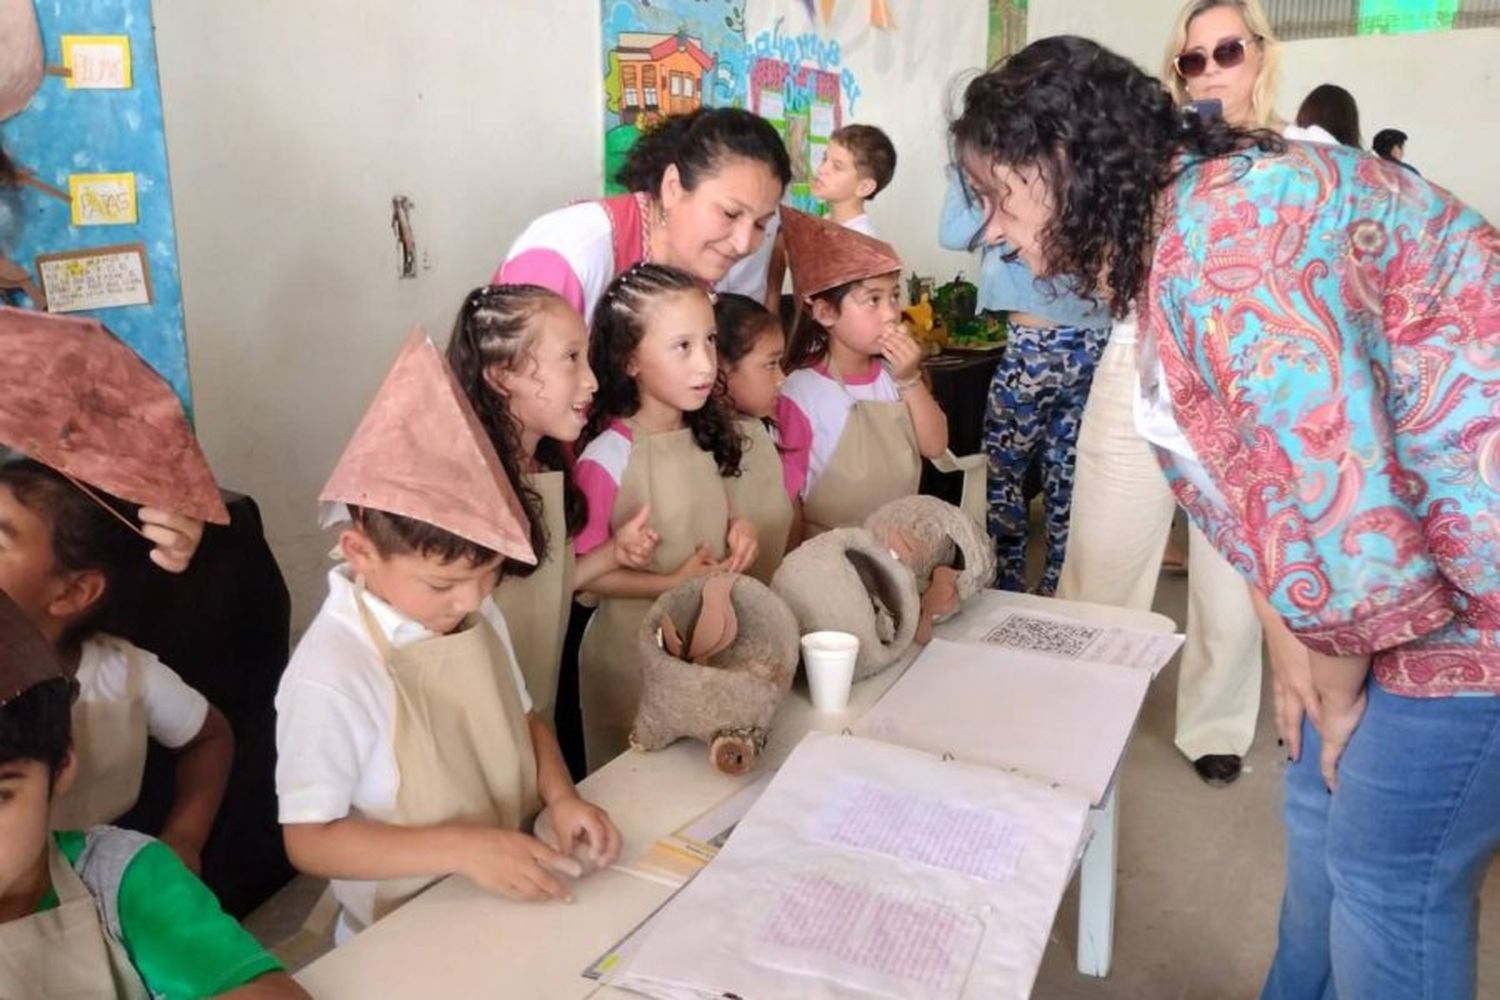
(635, 542)
(516, 865)
(575, 821)
(903, 354)
(176, 537)
(700, 563)
(743, 545)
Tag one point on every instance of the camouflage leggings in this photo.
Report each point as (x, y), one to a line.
(1036, 407)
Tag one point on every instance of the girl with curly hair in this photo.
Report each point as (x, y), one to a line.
(703, 190)
(1320, 359)
(659, 436)
(521, 355)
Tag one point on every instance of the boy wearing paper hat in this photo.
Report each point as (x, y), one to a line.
(407, 748)
(100, 432)
(103, 912)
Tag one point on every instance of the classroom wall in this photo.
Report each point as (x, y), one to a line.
(290, 126)
(904, 77)
(1438, 87)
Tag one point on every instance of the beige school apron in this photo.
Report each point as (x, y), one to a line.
(65, 952)
(463, 746)
(876, 461)
(536, 607)
(110, 736)
(758, 493)
(689, 507)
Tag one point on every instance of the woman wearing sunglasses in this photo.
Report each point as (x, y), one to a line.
(1320, 362)
(1220, 50)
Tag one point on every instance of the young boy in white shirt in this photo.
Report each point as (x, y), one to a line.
(859, 164)
(406, 746)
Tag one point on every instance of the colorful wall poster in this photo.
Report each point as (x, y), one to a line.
(664, 57)
(96, 230)
(803, 103)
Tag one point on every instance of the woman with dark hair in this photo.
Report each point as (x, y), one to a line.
(1332, 109)
(1321, 358)
(704, 187)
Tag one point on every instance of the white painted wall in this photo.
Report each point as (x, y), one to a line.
(290, 126)
(1441, 88)
(906, 76)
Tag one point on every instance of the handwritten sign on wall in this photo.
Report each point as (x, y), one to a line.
(103, 199)
(97, 62)
(97, 278)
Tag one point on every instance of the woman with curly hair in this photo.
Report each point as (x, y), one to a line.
(1320, 360)
(1224, 51)
(704, 188)
(659, 435)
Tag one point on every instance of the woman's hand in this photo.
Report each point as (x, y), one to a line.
(175, 538)
(1340, 719)
(1292, 688)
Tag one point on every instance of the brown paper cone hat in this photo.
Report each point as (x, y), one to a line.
(75, 397)
(26, 657)
(824, 255)
(421, 452)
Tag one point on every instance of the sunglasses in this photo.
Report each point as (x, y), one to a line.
(1227, 54)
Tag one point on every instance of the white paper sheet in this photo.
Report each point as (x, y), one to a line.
(781, 913)
(1062, 721)
(873, 817)
(1069, 639)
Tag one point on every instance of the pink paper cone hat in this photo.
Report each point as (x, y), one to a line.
(824, 255)
(75, 397)
(421, 452)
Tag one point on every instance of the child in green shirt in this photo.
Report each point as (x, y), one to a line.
(103, 912)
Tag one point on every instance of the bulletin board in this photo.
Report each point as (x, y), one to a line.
(803, 103)
(97, 232)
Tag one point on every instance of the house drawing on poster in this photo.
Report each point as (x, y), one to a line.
(656, 75)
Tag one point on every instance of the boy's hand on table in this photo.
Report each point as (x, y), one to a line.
(576, 821)
(517, 865)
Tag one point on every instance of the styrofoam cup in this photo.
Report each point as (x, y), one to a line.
(829, 658)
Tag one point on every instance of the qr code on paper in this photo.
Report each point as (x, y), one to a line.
(1043, 635)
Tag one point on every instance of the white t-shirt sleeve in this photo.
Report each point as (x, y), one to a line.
(496, 618)
(323, 739)
(175, 711)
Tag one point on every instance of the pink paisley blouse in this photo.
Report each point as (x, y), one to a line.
(1329, 325)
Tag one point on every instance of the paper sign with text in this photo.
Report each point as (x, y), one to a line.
(97, 278)
(97, 62)
(103, 199)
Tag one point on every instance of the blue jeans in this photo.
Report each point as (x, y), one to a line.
(1383, 876)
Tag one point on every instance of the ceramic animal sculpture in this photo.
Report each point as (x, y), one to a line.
(720, 654)
(846, 580)
(946, 550)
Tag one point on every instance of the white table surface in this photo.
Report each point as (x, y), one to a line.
(458, 941)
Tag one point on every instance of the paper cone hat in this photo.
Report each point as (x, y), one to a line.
(26, 657)
(421, 452)
(824, 255)
(77, 398)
